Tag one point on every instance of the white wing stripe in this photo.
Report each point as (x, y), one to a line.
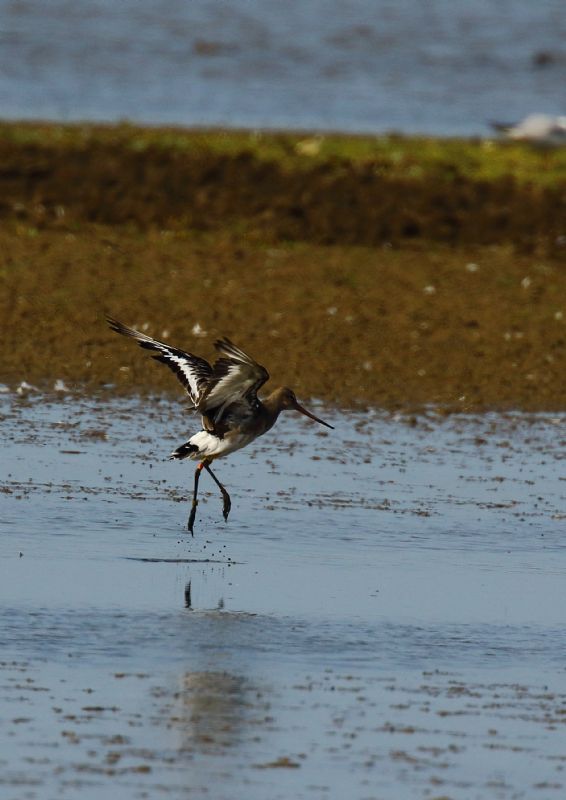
(186, 370)
(193, 372)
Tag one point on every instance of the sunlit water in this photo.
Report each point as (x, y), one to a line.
(441, 67)
(382, 616)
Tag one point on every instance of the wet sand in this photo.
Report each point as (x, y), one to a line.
(385, 626)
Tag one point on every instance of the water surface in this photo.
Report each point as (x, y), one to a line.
(440, 67)
(382, 616)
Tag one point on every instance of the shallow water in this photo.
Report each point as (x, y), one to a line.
(445, 67)
(381, 617)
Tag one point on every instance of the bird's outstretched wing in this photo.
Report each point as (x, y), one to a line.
(193, 372)
(235, 379)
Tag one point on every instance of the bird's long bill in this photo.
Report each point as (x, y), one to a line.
(300, 408)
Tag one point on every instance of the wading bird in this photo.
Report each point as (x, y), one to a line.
(225, 394)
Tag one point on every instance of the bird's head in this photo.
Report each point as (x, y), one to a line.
(289, 402)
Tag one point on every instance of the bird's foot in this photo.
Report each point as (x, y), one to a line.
(226, 506)
(192, 515)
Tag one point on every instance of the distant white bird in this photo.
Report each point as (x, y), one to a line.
(541, 129)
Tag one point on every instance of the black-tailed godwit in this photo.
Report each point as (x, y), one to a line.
(225, 394)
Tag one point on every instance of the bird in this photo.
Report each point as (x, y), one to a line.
(543, 130)
(225, 395)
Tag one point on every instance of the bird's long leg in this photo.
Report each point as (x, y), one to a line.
(192, 515)
(225, 496)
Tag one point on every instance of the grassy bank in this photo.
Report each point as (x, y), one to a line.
(283, 187)
(407, 157)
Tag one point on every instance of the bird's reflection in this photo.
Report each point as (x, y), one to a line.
(214, 710)
(189, 599)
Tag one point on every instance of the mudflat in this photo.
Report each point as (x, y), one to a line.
(362, 271)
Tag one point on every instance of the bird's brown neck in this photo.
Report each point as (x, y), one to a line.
(272, 407)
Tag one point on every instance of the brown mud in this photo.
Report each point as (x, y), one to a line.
(351, 283)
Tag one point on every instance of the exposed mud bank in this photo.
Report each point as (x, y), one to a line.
(282, 187)
(466, 328)
(385, 271)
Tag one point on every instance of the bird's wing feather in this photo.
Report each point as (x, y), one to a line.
(235, 378)
(193, 372)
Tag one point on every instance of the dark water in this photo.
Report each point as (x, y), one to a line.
(383, 615)
(442, 67)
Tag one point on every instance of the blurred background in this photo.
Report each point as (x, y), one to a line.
(441, 67)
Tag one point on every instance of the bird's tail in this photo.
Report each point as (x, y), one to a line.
(184, 451)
